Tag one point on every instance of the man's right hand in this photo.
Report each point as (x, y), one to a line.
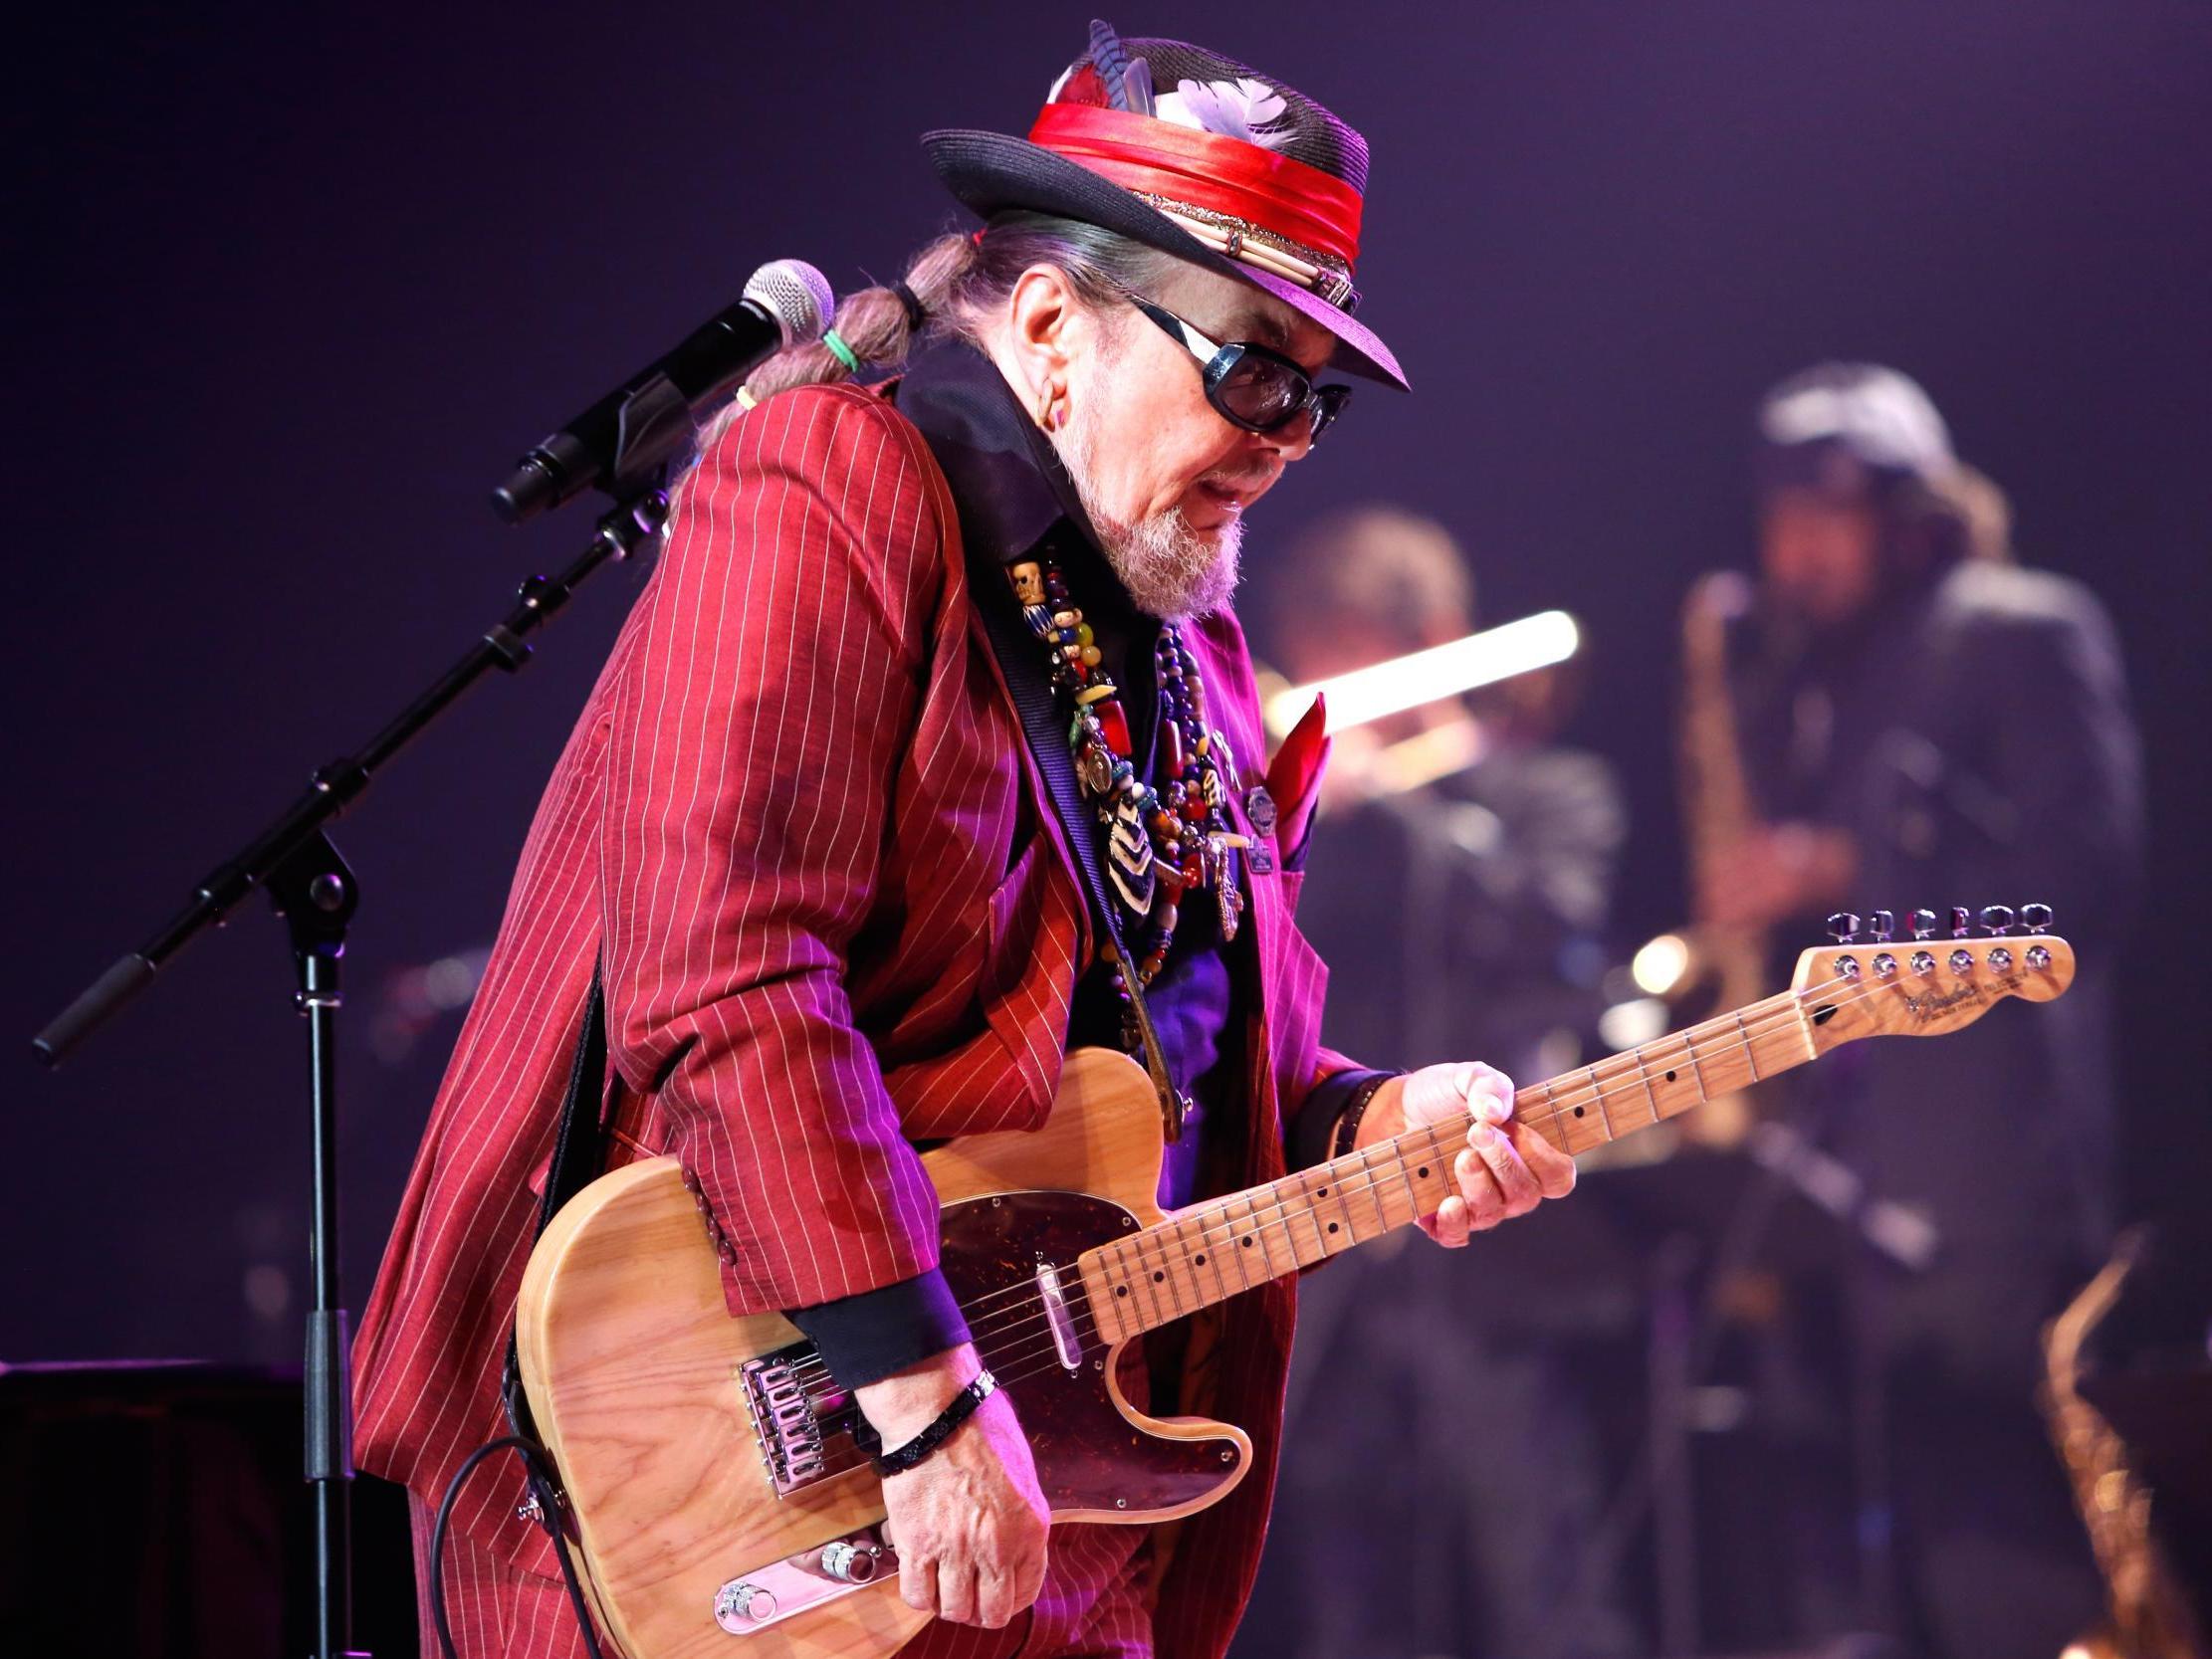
(968, 1522)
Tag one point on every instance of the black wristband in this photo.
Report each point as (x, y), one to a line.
(962, 1407)
(1348, 1125)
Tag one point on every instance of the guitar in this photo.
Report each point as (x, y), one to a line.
(711, 1474)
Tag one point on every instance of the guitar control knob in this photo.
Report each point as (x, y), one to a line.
(1883, 925)
(1997, 919)
(850, 1563)
(1960, 919)
(1842, 926)
(2036, 917)
(741, 1604)
(1923, 924)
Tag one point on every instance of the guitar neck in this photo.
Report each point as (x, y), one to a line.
(1211, 1251)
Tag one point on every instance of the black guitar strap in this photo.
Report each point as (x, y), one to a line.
(579, 1157)
(1022, 661)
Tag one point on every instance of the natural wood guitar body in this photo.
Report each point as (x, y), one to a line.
(632, 1365)
(707, 1461)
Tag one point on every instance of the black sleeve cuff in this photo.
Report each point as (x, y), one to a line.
(864, 1339)
(1314, 1128)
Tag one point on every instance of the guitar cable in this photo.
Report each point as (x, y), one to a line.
(544, 1488)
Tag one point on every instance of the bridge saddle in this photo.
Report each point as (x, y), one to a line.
(784, 1420)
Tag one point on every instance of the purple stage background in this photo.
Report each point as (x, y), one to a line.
(293, 293)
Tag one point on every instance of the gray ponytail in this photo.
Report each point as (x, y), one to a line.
(957, 281)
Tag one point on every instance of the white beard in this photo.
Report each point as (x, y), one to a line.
(1170, 570)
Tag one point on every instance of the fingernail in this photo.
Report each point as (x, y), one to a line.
(1483, 1134)
(1495, 1109)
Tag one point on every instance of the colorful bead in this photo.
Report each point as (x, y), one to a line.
(1163, 843)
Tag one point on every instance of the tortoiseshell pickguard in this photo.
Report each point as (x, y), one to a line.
(1089, 1454)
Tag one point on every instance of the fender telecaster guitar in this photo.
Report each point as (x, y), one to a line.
(708, 1464)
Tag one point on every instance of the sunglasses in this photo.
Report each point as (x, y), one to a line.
(1251, 385)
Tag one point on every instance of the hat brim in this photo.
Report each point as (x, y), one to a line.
(992, 172)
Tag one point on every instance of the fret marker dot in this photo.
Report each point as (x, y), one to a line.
(1157, 1277)
(1121, 1290)
(1198, 1262)
(1578, 1110)
(1422, 1172)
(1332, 1226)
(1670, 1076)
(1321, 1193)
(1247, 1244)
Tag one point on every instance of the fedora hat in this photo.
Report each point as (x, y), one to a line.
(1200, 156)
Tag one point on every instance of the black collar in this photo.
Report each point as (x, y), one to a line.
(1012, 495)
(1007, 482)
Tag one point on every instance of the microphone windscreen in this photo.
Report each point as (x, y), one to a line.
(797, 296)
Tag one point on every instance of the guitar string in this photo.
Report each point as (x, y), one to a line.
(1298, 1204)
(1217, 1221)
(1006, 1360)
(1082, 1321)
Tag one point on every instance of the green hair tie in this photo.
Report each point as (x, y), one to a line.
(840, 351)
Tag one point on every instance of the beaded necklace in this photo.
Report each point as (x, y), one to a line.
(1161, 844)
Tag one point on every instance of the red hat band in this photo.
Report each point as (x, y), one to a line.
(1245, 201)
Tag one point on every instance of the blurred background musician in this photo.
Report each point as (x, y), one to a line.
(1488, 846)
(1924, 721)
(1465, 865)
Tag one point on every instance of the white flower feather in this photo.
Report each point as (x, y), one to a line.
(1234, 108)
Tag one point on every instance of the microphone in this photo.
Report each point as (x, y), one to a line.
(635, 427)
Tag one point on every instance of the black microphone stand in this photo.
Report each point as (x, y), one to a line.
(312, 889)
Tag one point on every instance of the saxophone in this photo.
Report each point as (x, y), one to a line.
(1706, 965)
(2150, 1616)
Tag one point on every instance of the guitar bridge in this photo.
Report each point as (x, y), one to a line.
(783, 1419)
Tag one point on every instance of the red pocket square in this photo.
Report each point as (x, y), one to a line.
(1294, 776)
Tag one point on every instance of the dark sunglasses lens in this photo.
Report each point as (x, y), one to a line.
(1262, 394)
(1328, 403)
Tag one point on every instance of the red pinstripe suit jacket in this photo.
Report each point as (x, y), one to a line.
(798, 824)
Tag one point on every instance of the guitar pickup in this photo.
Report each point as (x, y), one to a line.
(1060, 1315)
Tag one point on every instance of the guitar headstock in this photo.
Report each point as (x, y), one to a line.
(1870, 983)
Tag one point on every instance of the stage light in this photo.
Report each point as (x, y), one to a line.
(1658, 968)
(1441, 671)
(1630, 1024)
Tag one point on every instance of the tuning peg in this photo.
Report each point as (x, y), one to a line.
(1997, 919)
(2036, 917)
(1883, 925)
(1923, 924)
(1960, 917)
(1842, 926)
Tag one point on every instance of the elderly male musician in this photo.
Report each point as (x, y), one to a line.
(1922, 721)
(800, 839)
